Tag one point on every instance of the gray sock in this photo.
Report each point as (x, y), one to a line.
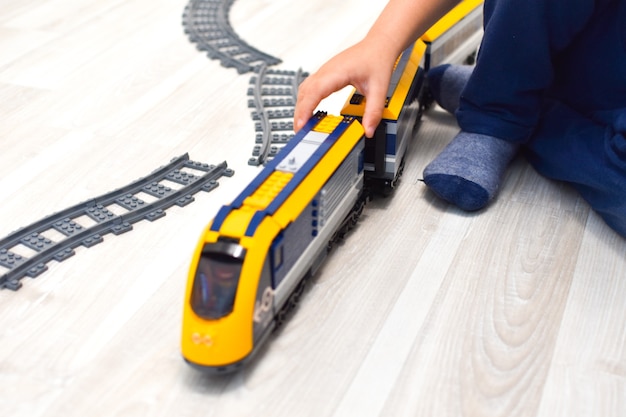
(469, 170)
(446, 82)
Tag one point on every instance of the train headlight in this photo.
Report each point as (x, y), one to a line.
(202, 339)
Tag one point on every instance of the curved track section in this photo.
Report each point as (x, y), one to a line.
(207, 25)
(273, 95)
(56, 236)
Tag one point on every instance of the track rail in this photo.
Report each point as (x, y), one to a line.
(207, 24)
(70, 224)
(273, 97)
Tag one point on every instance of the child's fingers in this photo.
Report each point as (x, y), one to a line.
(310, 93)
(304, 107)
(309, 97)
(374, 106)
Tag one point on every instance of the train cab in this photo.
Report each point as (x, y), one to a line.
(253, 256)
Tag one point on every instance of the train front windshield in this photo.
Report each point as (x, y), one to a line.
(215, 284)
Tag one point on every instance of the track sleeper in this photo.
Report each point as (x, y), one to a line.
(73, 234)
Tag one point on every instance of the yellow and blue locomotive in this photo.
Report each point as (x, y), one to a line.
(254, 255)
(252, 260)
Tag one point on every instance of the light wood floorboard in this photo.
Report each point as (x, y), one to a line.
(518, 310)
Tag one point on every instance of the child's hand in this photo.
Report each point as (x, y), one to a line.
(367, 66)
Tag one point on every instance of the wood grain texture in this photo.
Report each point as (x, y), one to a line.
(517, 310)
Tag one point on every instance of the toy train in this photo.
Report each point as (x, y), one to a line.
(453, 39)
(254, 258)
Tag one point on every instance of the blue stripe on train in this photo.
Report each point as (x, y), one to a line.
(300, 175)
(224, 211)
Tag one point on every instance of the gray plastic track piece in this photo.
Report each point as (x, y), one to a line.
(192, 176)
(273, 95)
(207, 24)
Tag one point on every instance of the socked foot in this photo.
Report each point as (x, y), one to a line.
(468, 172)
(446, 82)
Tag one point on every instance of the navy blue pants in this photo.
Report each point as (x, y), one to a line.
(551, 75)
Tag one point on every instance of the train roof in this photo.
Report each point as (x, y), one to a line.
(404, 74)
(286, 174)
(448, 22)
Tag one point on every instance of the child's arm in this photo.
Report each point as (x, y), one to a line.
(368, 64)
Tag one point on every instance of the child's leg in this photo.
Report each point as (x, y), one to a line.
(499, 107)
(467, 173)
(590, 156)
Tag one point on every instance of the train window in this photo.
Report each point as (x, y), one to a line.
(277, 252)
(278, 257)
(215, 285)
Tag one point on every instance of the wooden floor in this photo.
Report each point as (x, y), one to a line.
(518, 310)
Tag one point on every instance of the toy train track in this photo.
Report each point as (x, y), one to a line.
(192, 176)
(274, 94)
(207, 24)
